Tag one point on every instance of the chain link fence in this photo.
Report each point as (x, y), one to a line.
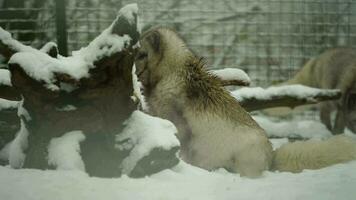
(269, 39)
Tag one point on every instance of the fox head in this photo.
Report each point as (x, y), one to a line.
(162, 52)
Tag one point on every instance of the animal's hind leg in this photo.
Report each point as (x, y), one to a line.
(325, 112)
(252, 163)
(339, 125)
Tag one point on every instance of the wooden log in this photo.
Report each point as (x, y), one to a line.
(232, 77)
(89, 91)
(283, 96)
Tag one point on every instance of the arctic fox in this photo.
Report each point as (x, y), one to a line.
(214, 130)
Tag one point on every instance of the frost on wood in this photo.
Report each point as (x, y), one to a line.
(152, 144)
(289, 95)
(64, 151)
(232, 76)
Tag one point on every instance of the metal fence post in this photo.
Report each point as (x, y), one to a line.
(61, 27)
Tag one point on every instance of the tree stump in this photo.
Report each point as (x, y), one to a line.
(89, 92)
(96, 103)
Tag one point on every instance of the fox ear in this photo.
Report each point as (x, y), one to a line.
(154, 39)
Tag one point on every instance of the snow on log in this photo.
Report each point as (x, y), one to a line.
(64, 151)
(5, 77)
(51, 49)
(9, 121)
(289, 95)
(232, 76)
(6, 89)
(137, 96)
(18, 146)
(152, 144)
(13, 152)
(9, 46)
(89, 91)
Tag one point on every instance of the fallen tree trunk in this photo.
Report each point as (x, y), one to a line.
(282, 96)
(85, 95)
(89, 92)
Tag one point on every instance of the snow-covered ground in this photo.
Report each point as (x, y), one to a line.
(188, 182)
(182, 182)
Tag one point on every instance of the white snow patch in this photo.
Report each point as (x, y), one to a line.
(129, 11)
(22, 112)
(64, 151)
(5, 37)
(48, 46)
(232, 74)
(17, 147)
(14, 151)
(298, 91)
(137, 93)
(42, 67)
(143, 133)
(294, 128)
(183, 182)
(7, 104)
(5, 77)
(4, 152)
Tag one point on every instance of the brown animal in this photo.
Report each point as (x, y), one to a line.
(214, 130)
(333, 69)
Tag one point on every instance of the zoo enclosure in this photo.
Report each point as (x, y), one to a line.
(269, 39)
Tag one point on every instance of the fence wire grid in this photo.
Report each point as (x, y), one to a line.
(269, 39)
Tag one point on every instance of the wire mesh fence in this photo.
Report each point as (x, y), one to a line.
(269, 39)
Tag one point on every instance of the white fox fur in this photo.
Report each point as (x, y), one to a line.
(214, 130)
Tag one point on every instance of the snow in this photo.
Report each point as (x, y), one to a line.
(298, 91)
(48, 46)
(129, 12)
(5, 77)
(17, 147)
(137, 93)
(294, 128)
(5, 38)
(232, 74)
(141, 134)
(14, 150)
(183, 182)
(42, 67)
(64, 151)
(7, 104)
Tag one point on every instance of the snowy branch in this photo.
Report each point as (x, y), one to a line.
(232, 76)
(282, 96)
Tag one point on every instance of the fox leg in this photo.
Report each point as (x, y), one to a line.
(325, 112)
